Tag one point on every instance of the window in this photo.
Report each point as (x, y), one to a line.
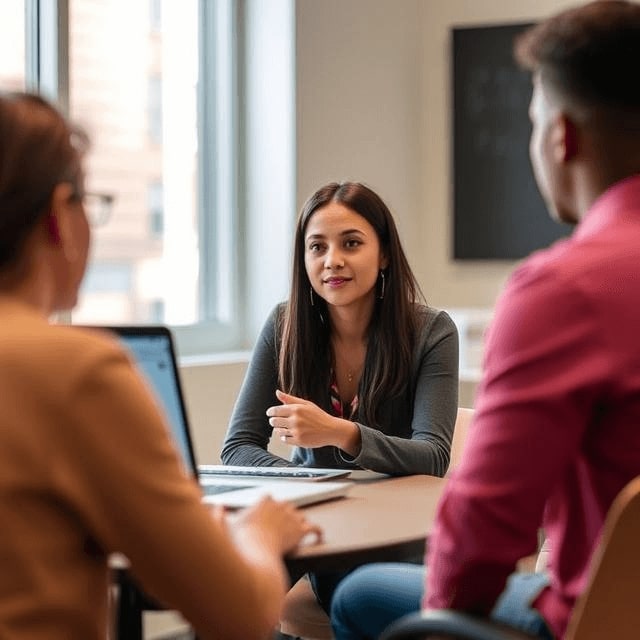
(155, 15)
(141, 102)
(105, 277)
(178, 130)
(105, 290)
(12, 46)
(155, 207)
(156, 311)
(154, 108)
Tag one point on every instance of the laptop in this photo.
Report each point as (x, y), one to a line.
(153, 351)
(302, 474)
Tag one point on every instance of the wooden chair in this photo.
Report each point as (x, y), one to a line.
(608, 608)
(463, 420)
(302, 616)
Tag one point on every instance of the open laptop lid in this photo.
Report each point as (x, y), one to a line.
(152, 349)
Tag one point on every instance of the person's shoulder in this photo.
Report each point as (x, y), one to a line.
(555, 263)
(275, 317)
(79, 345)
(558, 278)
(427, 315)
(277, 312)
(272, 325)
(25, 333)
(55, 359)
(430, 320)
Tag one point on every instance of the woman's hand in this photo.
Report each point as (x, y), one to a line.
(276, 526)
(302, 423)
(260, 536)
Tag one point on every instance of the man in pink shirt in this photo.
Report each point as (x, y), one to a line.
(556, 434)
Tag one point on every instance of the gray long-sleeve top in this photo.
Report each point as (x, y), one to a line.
(416, 429)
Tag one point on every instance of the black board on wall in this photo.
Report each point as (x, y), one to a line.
(498, 211)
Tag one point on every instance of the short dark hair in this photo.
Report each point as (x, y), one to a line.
(589, 54)
(39, 149)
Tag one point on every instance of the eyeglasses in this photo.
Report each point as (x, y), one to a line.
(98, 207)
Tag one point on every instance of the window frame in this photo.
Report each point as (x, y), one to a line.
(47, 72)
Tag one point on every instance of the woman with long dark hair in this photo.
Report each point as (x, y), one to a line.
(352, 371)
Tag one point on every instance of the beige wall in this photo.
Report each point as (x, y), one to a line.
(210, 391)
(373, 105)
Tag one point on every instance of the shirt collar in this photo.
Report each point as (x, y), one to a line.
(619, 199)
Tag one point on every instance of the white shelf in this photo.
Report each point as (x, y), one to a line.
(472, 323)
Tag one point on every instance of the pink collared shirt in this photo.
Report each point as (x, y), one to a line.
(556, 433)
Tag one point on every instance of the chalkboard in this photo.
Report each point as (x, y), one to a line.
(498, 211)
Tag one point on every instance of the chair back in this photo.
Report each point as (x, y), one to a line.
(610, 605)
(302, 616)
(463, 419)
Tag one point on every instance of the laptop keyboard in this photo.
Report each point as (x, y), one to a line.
(265, 473)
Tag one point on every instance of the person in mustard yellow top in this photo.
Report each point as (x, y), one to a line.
(87, 464)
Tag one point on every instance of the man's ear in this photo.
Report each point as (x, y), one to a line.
(565, 139)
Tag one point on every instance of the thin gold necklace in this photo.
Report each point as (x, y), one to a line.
(351, 372)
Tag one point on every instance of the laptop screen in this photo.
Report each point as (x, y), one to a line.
(152, 350)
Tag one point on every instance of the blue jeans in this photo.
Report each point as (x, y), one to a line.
(374, 596)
